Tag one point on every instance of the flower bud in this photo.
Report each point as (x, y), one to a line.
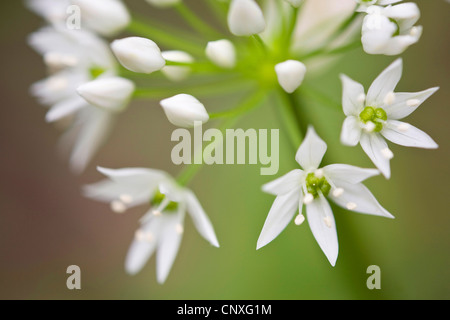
(245, 18)
(138, 54)
(112, 93)
(290, 74)
(184, 110)
(106, 17)
(222, 53)
(177, 73)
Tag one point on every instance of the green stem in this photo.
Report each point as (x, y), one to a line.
(173, 39)
(284, 104)
(260, 43)
(195, 22)
(223, 86)
(191, 170)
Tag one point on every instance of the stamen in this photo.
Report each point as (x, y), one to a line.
(403, 127)
(361, 98)
(370, 126)
(412, 103)
(351, 206)
(179, 229)
(387, 153)
(156, 213)
(299, 219)
(338, 192)
(319, 173)
(414, 31)
(126, 198)
(118, 206)
(389, 99)
(327, 221)
(308, 198)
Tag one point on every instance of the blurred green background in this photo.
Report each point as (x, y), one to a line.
(46, 225)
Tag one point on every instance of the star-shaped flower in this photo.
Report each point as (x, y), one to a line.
(311, 186)
(162, 227)
(374, 117)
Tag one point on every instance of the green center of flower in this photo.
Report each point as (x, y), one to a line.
(158, 198)
(377, 116)
(317, 184)
(96, 72)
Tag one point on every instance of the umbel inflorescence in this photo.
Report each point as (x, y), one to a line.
(264, 49)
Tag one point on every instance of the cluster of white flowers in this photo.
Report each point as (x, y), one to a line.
(272, 46)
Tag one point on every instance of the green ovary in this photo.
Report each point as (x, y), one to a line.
(375, 115)
(158, 198)
(316, 185)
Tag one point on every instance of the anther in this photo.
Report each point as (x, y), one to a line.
(299, 219)
(387, 153)
(327, 221)
(338, 192)
(370, 126)
(126, 198)
(412, 103)
(351, 206)
(118, 206)
(389, 99)
(308, 198)
(319, 173)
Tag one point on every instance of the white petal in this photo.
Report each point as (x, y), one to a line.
(322, 224)
(245, 18)
(373, 145)
(93, 129)
(106, 17)
(407, 135)
(311, 151)
(361, 199)
(385, 83)
(111, 93)
(139, 183)
(348, 173)
(281, 213)
(200, 219)
(64, 108)
(407, 103)
(352, 103)
(284, 184)
(168, 245)
(351, 131)
(140, 251)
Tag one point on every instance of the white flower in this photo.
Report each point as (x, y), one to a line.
(163, 3)
(162, 227)
(138, 54)
(106, 17)
(110, 93)
(373, 117)
(177, 73)
(365, 4)
(339, 182)
(184, 110)
(290, 74)
(222, 53)
(74, 57)
(390, 30)
(245, 18)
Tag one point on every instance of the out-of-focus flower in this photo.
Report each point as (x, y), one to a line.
(390, 30)
(162, 227)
